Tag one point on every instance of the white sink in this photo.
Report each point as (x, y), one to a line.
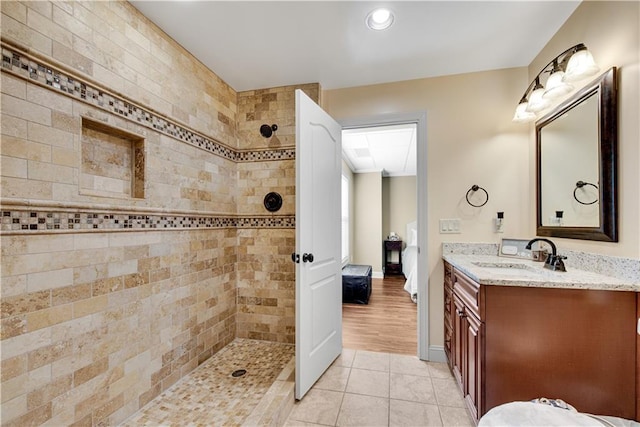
(506, 267)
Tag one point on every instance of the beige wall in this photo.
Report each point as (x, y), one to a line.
(611, 32)
(399, 205)
(471, 139)
(368, 220)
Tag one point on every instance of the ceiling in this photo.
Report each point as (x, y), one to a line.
(387, 149)
(263, 44)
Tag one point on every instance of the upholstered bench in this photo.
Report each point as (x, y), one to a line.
(356, 284)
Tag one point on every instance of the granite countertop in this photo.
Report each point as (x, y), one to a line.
(496, 270)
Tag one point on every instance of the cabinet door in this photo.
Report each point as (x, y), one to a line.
(473, 365)
(458, 347)
(448, 314)
(448, 324)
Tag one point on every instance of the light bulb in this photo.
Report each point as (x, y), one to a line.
(555, 86)
(522, 115)
(379, 19)
(581, 65)
(536, 102)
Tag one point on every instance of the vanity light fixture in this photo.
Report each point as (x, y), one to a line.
(572, 65)
(379, 19)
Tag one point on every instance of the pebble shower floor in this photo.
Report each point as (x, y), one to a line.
(211, 396)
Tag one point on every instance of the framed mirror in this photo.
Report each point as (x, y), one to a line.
(577, 147)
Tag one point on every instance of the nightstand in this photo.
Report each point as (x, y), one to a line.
(389, 247)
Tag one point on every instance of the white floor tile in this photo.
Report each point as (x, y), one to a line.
(318, 406)
(412, 388)
(372, 360)
(335, 378)
(413, 414)
(370, 383)
(359, 410)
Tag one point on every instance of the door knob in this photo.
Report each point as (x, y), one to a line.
(307, 257)
(295, 258)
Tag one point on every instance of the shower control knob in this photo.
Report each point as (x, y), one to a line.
(307, 257)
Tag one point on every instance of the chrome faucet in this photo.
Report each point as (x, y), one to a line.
(554, 261)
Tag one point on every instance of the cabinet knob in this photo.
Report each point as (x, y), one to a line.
(461, 313)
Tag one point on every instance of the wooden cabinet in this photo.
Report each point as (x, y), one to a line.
(638, 358)
(467, 341)
(448, 311)
(510, 343)
(389, 247)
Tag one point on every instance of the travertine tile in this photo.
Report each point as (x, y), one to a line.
(409, 414)
(372, 360)
(455, 417)
(359, 410)
(405, 364)
(25, 149)
(412, 388)
(154, 303)
(346, 358)
(412, 400)
(439, 370)
(12, 127)
(318, 406)
(211, 395)
(25, 110)
(447, 392)
(370, 383)
(335, 378)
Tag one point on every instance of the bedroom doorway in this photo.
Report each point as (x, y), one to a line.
(384, 158)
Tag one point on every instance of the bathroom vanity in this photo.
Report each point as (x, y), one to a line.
(515, 331)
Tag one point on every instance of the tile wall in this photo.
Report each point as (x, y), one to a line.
(266, 275)
(108, 299)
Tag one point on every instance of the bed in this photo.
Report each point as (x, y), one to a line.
(410, 261)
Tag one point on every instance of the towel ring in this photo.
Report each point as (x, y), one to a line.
(581, 184)
(475, 188)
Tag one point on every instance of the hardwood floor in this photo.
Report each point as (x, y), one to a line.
(387, 324)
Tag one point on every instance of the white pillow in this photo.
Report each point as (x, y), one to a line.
(413, 239)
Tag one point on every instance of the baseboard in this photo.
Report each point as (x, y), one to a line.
(377, 275)
(436, 354)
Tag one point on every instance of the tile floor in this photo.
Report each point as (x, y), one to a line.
(210, 396)
(361, 388)
(364, 388)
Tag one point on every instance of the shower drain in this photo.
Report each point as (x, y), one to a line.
(238, 373)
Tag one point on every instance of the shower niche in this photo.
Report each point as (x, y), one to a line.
(113, 162)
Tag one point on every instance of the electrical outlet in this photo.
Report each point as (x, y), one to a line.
(450, 226)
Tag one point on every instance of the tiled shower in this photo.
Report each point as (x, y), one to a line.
(135, 243)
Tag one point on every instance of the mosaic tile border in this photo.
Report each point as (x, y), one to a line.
(18, 220)
(30, 68)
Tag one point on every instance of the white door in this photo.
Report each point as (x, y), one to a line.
(318, 245)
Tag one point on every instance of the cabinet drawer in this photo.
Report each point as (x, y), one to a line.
(468, 291)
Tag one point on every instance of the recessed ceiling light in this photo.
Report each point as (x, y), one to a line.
(379, 19)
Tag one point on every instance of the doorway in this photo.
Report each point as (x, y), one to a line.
(416, 122)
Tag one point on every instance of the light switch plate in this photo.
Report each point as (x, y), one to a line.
(450, 226)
